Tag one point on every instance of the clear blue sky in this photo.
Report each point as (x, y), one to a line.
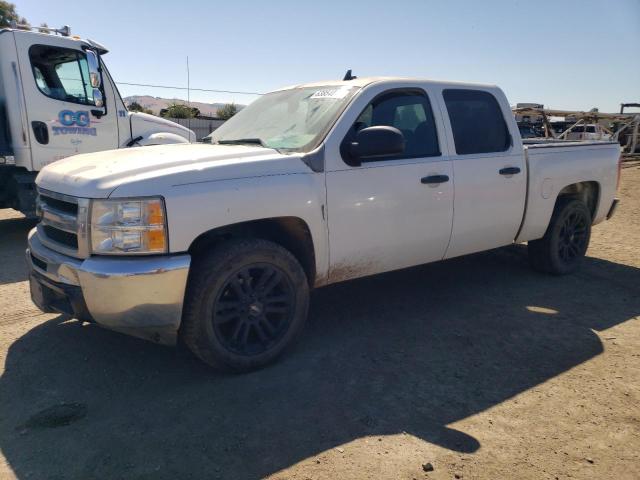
(573, 54)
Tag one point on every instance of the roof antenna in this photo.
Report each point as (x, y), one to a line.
(348, 76)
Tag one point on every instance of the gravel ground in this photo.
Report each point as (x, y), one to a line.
(477, 366)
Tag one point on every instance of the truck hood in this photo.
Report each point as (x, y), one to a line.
(153, 169)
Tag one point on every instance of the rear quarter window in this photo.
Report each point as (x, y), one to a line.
(477, 122)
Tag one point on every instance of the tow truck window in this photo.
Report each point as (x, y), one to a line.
(477, 122)
(61, 73)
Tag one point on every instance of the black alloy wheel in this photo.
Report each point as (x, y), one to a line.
(254, 309)
(247, 301)
(573, 237)
(565, 243)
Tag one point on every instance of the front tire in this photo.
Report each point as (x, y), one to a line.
(566, 240)
(247, 301)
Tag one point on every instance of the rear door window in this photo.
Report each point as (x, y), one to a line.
(477, 122)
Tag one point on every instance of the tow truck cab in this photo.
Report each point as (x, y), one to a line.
(57, 99)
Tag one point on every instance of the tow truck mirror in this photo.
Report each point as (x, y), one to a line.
(378, 141)
(94, 69)
(98, 100)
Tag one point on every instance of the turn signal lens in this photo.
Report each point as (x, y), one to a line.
(155, 213)
(156, 240)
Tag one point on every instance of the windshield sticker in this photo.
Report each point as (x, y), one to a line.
(340, 92)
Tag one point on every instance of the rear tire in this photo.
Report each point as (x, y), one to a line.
(566, 240)
(246, 302)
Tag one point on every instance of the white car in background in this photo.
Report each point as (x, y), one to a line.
(588, 132)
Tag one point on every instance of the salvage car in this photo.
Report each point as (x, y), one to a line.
(219, 244)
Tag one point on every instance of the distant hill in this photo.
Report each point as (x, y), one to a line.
(155, 104)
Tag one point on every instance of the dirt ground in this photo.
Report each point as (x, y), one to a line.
(478, 366)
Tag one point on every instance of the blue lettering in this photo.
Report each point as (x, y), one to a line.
(69, 118)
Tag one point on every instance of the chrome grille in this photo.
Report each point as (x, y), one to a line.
(63, 224)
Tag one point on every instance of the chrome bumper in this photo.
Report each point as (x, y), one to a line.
(139, 296)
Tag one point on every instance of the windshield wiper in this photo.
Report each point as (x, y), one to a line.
(240, 141)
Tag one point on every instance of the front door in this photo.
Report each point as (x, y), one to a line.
(61, 114)
(391, 213)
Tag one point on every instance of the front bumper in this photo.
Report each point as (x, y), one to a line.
(139, 296)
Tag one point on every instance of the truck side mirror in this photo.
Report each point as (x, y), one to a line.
(98, 100)
(94, 69)
(378, 141)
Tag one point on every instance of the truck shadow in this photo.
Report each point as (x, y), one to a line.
(409, 351)
(13, 242)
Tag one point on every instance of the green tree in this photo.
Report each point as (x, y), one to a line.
(227, 111)
(136, 107)
(8, 14)
(179, 110)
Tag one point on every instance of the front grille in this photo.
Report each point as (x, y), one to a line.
(63, 225)
(63, 206)
(39, 263)
(67, 239)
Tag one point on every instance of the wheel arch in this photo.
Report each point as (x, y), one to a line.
(587, 192)
(292, 233)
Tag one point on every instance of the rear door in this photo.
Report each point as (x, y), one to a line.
(60, 110)
(489, 169)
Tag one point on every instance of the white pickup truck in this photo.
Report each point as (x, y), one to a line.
(219, 244)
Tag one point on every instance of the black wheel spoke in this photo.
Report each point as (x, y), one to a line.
(573, 249)
(276, 309)
(276, 299)
(225, 305)
(261, 333)
(246, 282)
(237, 288)
(226, 317)
(266, 324)
(245, 334)
(275, 279)
(236, 331)
(267, 273)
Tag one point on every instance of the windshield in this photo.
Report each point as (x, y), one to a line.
(290, 120)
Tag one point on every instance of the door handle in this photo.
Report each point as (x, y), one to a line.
(509, 171)
(41, 132)
(433, 179)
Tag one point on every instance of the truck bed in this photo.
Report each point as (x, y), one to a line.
(555, 164)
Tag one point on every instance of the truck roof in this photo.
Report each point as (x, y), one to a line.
(72, 38)
(364, 81)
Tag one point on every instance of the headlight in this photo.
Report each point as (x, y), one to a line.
(128, 226)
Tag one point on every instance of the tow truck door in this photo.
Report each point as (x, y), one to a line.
(62, 117)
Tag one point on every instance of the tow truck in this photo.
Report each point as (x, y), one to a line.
(57, 99)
